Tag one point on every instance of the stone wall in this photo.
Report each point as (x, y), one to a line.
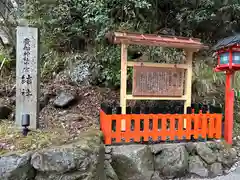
(167, 161)
(88, 160)
(81, 160)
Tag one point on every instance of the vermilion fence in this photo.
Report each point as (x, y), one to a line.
(119, 128)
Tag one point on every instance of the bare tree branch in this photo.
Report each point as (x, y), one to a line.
(5, 5)
(1, 42)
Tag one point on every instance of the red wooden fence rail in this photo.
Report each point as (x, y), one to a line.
(159, 125)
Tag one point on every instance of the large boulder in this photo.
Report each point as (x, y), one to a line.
(80, 70)
(64, 99)
(133, 162)
(110, 174)
(207, 154)
(227, 157)
(191, 148)
(16, 167)
(197, 166)
(83, 160)
(172, 161)
(215, 169)
(81, 74)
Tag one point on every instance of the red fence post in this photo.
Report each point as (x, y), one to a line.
(218, 126)
(106, 125)
(102, 113)
(204, 125)
(213, 129)
(107, 129)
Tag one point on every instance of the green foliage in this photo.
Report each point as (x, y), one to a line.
(52, 63)
(70, 26)
(109, 59)
(5, 61)
(67, 23)
(73, 25)
(210, 19)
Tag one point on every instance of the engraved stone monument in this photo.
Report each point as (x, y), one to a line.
(27, 75)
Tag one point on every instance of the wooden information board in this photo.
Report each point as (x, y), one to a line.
(157, 81)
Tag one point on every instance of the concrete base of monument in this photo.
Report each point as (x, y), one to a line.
(20, 128)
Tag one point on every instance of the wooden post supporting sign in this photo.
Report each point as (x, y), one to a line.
(188, 82)
(123, 92)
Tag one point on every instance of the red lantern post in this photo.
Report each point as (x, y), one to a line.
(228, 54)
(229, 104)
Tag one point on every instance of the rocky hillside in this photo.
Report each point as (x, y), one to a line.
(66, 110)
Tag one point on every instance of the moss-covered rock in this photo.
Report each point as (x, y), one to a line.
(172, 161)
(83, 159)
(109, 172)
(207, 154)
(16, 167)
(133, 162)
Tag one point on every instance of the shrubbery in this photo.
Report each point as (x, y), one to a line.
(71, 27)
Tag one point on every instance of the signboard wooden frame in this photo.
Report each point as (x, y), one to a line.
(189, 45)
(187, 67)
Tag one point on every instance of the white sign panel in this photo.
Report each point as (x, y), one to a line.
(27, 75)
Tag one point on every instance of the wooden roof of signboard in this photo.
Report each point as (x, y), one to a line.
(155, 40)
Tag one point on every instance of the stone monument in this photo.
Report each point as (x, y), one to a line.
(27, 75)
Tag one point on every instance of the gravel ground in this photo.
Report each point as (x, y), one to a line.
(231, 176)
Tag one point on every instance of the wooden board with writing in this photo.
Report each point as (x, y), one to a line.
(27, 75)
(157, 81)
